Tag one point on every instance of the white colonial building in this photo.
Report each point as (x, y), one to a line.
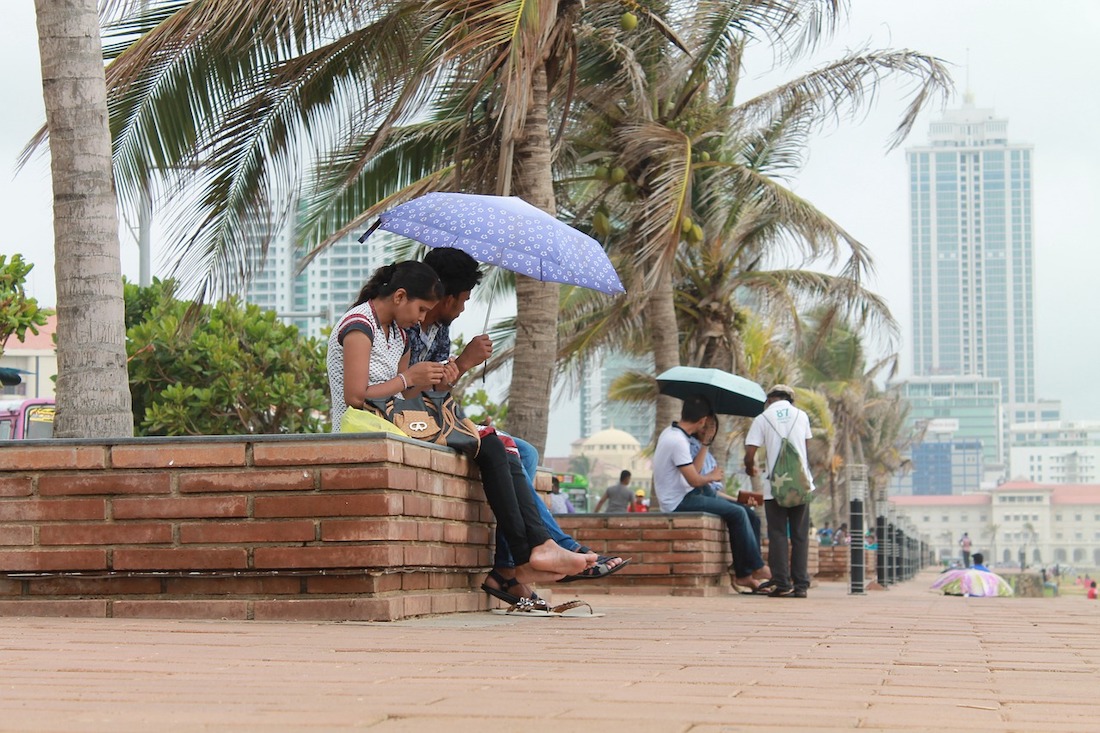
(1042, 523)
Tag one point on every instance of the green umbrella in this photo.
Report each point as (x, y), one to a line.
(728, 393)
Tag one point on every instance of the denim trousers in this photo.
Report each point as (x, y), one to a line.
(793, 523)
(741, 521)
(529, 459)
(513, 505)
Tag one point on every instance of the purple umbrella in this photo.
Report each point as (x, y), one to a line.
(508, 232)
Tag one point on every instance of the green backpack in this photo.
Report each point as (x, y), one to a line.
(791, 486)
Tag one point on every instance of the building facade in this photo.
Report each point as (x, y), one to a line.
(1042, 523)
(315, 297)
(970, 201)
(1056, 452)
(599, 413)
(36, 358)
(945, 467)
(964, 410)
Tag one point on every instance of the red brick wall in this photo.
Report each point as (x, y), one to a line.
(319, 527)
(674, 554)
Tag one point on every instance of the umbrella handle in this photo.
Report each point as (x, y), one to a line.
(485, 329)
(375, 225)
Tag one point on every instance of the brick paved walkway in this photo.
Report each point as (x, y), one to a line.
(903, 659)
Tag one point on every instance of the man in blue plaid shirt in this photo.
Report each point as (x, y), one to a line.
(431, 341)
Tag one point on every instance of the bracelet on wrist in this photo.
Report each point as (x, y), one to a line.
(403, 381)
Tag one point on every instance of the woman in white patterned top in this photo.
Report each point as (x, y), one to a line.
(368, 357)
(368, 352)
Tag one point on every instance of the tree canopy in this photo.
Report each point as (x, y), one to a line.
(222, 369)
(18, 312)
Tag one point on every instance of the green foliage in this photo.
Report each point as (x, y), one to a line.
(478, 406)
(581, 464)
(225, 369)
(142, 302)
(18, 313)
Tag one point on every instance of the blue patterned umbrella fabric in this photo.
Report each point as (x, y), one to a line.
(508, 232)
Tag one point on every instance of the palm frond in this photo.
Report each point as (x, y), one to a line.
(848, 85)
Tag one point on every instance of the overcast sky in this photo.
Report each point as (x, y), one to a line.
(1029, 62)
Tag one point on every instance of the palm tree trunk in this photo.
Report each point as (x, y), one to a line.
(661, 314)
(536, 302)
(93, 393)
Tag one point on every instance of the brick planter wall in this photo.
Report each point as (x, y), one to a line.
(672, 554)
(262, 527)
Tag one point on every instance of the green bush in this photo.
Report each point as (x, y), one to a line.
(226, 369)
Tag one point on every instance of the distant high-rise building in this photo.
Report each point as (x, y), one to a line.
(599, 413)
(970, 202)
(964, 417)
(1056, 452)
(313, 299)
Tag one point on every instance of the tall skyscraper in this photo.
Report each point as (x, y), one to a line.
(971, 233)
(599, 413)
(314, 298)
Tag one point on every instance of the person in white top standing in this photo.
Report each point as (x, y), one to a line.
(790, 570)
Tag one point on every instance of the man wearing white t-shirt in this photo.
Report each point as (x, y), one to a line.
(781, 419)
(681, 487)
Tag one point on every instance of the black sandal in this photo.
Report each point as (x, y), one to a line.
(601, 569)
(512, 599)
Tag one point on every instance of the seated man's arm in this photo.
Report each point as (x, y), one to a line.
(694, 478)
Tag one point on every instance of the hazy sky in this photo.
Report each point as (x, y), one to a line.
(1029, 62)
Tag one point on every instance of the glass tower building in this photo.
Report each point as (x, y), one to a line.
(599, 413)
(970, 204)
(315, 297)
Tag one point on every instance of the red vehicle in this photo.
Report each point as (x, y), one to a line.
(23, 419)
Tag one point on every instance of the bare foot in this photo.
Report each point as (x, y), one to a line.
(526, 574)
(763, 573)
(747, 582)
(552, 558)
(589, 557)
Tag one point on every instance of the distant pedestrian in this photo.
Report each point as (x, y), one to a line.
(639, 504)
(840, 537)
(1092, 591)
(559, 502)
(964, 545)
(617, 497)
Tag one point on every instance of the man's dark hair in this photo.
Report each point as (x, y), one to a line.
(977, 557)
(695, 408)
(457, 270)
(624, 477)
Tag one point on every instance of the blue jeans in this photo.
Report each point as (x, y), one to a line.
(529, 458)
(741, 521)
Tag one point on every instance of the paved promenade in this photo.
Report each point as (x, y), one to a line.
(902, 659)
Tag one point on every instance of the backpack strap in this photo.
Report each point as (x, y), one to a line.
(776, 427)
(787, 437)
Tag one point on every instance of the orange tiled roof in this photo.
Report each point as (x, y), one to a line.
(941, 500)
(43, 340)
